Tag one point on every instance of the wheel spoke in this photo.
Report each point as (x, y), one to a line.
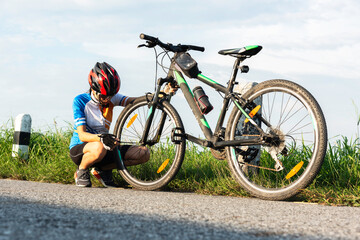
(297, 134)
(165, 158)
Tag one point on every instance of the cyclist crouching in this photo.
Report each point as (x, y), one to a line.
(91, 145)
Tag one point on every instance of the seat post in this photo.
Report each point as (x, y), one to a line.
(234, 73)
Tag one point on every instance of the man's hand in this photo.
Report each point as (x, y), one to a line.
(109, 141)
(170, 89)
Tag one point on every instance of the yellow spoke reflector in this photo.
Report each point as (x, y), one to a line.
(163, 165)
(131, 121)
(253, 112)
(295, 170)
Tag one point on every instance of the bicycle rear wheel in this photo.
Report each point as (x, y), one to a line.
(166, 151)
(290, 163)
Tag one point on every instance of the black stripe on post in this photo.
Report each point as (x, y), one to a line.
(21, 138)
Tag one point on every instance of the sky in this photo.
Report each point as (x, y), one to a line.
(47, 49)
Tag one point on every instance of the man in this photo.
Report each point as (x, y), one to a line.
(91, 144)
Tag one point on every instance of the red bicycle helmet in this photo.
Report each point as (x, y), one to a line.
(104, 79)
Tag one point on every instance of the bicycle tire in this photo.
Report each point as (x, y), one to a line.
(164, 154)
(300, 124)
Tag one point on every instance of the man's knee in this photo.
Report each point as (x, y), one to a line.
(145, 154)
(96, 150)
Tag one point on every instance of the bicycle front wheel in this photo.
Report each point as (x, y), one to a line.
(278, 169)
(167, 147)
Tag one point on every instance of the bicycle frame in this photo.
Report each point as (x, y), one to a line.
(212, 140)
(272, 162)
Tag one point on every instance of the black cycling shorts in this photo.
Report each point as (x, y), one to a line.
(76, 154)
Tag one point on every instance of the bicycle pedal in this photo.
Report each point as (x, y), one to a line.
(175, 135)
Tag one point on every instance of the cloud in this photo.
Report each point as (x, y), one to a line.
(316, 38)
(48, 47)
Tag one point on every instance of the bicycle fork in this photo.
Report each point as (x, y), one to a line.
(153, 106)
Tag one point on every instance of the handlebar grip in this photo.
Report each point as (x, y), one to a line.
(197, 48)
(147, 37)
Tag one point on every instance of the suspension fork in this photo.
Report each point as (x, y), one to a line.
(153, 105)
(156, 138)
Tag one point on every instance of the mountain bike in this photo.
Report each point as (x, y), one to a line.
(274, 140)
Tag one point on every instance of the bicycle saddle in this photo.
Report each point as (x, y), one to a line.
(242, 52)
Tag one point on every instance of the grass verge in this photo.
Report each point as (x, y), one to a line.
(49, 161)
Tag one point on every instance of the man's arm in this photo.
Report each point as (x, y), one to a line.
(86, 136)
(130, 100)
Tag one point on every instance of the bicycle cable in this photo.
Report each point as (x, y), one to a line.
(156, 69)
(160, 63)
(223, 97)
(166, 53)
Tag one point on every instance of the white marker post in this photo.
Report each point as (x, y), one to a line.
(22, 136)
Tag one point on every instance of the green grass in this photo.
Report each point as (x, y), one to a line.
(202, 173)
(336, 184)
(48, 157)
(339, 178)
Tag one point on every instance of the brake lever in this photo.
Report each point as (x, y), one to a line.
(148, 44)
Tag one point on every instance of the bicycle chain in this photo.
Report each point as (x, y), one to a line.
(271, 169)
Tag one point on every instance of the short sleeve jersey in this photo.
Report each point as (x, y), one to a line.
(89, 113)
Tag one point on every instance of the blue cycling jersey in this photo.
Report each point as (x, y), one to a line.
(88, 111)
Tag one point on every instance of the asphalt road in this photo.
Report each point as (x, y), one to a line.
(31, 210)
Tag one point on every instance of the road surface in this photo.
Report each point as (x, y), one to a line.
(32, 210)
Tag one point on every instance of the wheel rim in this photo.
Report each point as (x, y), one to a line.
(162, 154)
(293, 121)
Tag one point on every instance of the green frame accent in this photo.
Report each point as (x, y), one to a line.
(205, 123)
(207, 79)
(150, 111)
(251, 47)
(180, 80)
(242, 110)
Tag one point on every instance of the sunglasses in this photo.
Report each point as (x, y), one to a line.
(103, 97)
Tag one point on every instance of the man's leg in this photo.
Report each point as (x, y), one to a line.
(93, 152)
(136, 155)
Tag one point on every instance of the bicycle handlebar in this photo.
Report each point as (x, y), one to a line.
(153, 41)
(149, 38)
